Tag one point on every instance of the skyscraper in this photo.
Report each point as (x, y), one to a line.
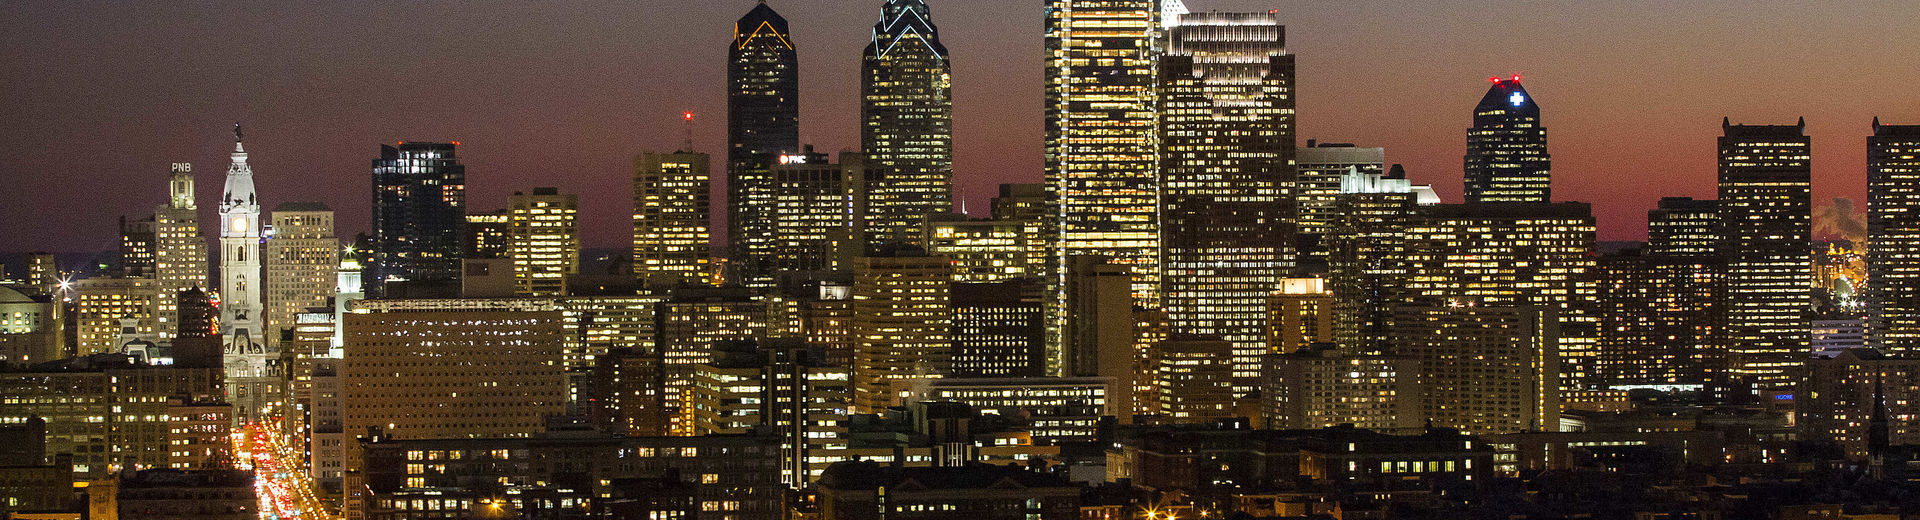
(303, 264)
(252, 367)
(906, 122)
(419, 206)
(1226, 168)
(1766, 212)
(763, 112)
(180, 252)
(1507, 157)
(1101, 156)
(1893, 236)
(671, 218)
(543, 241)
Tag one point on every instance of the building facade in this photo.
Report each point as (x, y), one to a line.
(1507, 158)
(1226, 162)
(303, 264)
(763, 113)
(672, 210)
(906, 122)
(1100, 126)
(1766, 210)
(1893, 236)
(543, 241)
(419, 207)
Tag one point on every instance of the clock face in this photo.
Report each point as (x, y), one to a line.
(239, 224)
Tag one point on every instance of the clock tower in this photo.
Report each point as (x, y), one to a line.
(251, 369)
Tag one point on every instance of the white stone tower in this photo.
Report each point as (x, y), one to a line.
(251, 368)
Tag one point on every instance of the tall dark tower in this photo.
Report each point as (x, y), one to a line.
(1507, 157)
(763, 114)
(1766, 236)
(906, 122)
(419, 208)
(1893, 236)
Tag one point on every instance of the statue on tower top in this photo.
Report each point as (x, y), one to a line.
(236, 133)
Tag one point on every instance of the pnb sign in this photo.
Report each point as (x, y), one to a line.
(181, 167)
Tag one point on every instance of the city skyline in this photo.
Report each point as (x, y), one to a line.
(224, 64)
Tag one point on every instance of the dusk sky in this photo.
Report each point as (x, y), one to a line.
(98, 97)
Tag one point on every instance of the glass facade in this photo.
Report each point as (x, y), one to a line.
(1507, 158)
(763, 113)
(906, 122)
(1226, 173)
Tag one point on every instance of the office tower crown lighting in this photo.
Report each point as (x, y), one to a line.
(1507, 158)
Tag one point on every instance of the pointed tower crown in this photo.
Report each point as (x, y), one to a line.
(238, 197)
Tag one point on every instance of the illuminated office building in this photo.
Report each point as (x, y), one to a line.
(1483, 369)
(775, 388)
(101, 304)
(1893, 236)
(1766, 238)
(1319, 387)
(1029, 204)
(1511, 254)
(109, 413)
(818, 213)
(902, 320)
(998, 330)
(137, 239)
(1226, 170)
(497, 371)
(1102, 159)
(303, 264)
(763, 112)
(1316, 188)
(1681, 226)
(485, 235)
(596, 325)
(906, 122)
(985, 250)
(1193, 385)
(1659, 320)
(180, 251)
(1055, 409)
(1299, 314)
(419, 208)
(543, 241)
(688, 327)
(1366, 247)
(818, 312)
(1507, 158)
(32, 327)
(672, 211)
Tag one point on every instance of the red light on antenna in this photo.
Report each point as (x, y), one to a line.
(689, 116)
(1495, 80)
(456, 143)
(1516, 78)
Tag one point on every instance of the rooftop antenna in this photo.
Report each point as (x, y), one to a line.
(688, 145)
